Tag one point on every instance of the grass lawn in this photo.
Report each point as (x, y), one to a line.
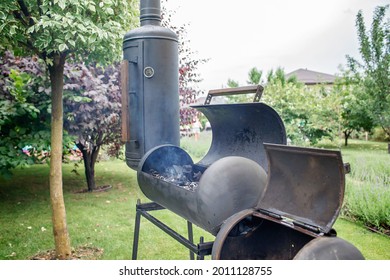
(106, 219)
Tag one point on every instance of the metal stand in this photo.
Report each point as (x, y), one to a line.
(200, 250)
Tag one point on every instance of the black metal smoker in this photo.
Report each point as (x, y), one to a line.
(261, 198)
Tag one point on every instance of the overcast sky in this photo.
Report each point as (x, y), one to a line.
(237, 35)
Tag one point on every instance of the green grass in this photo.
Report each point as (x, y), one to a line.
(367, 196)
(106, 219)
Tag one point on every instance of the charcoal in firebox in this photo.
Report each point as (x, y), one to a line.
(183, 176)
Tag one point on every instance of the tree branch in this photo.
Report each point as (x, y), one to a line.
(19, 17)
(25, 11)
(39, 3)
(24, 8)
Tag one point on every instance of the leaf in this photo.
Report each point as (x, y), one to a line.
(91, 7)
(110, 11)
(72, 43)
(62, 4)
(12, 30)
(62, 47)
(31, 29)
(82, 38)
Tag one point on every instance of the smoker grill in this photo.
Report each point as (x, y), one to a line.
(260, 198)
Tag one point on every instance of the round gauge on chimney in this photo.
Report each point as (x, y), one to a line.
(149, 72)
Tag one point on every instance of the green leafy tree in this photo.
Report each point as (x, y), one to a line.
(24, 113)
(353, 111)
(255, 76)
(374, 66)
(236, 98)
(57, 30)
(307, 112)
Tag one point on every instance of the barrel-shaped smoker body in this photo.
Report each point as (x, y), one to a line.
(231, 176)
(153, 87)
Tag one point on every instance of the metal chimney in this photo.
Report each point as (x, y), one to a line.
(150, 85)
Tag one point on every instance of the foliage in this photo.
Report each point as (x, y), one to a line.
(86, 29)
(55, 30)
(280, 76)
(255, 76)
(354, 110)
(92, 111)
(374, 67)
(310, 113)
(307, 112)
(367, 189)
(24, 112)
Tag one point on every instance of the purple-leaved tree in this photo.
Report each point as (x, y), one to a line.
(92, 105)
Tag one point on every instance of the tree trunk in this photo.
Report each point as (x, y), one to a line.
(346, 136)
(89, 158)
(60, 230)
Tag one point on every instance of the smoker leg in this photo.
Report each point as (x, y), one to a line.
(190, 238)
(201, 241)
(142, 210)
(136, 231)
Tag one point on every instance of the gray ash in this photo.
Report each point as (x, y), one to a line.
(183, 176)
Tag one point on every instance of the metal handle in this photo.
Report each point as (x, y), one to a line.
(258, 89)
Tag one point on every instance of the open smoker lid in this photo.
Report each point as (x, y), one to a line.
(241, 129)
(304, 185)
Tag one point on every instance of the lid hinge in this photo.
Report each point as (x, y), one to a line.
(272, 215)
(307, 226)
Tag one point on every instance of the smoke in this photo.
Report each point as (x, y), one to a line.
(185, 176)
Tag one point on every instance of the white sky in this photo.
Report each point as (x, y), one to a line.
(237, 35)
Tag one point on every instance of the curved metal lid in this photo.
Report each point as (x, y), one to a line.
(304, 185)
(241, 129)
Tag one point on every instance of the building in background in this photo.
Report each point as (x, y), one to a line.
(310, 78)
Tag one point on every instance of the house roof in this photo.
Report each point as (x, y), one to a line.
(309, 77)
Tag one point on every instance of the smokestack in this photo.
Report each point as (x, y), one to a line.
(150, 12)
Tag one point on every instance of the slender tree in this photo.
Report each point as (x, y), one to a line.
(354, 115)
(57, 30)
(255, 76)
(374, 66)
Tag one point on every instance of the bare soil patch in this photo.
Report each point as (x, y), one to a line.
(79, 253)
